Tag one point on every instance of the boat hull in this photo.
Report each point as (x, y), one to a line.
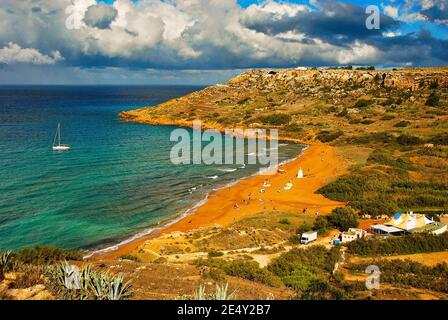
(61, 148)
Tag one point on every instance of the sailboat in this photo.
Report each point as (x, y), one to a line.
(57, 146)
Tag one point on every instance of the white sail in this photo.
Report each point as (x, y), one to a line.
(59, 146)
(300, 174)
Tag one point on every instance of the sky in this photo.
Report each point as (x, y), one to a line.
(209, 41)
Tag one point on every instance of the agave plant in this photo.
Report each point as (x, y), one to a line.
(99, 284)
(118, 289)
(4, 261)
(199, 293)
(221, 293)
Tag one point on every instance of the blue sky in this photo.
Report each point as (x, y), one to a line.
(209, 41)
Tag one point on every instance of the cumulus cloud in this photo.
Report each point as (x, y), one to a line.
(12, 53)
(210, 34)
(100, 16)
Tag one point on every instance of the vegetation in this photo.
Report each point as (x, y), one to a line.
(410, 273)
(276, 119)
(343, 219)
(329, 136)
(221, 293)
(45, 255)
(419, 243)
(87, 284)
(248, 270)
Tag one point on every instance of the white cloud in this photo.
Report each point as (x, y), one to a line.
(391, 11)
(12, 53)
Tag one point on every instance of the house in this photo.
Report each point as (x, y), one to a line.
(351, 235)
(402, 224)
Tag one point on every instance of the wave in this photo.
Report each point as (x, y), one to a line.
(228, 170)
(149, 231)
(185, 214)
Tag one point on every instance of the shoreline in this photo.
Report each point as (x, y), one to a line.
(150, 232)
(217, 208)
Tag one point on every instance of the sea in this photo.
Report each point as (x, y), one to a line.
(116, 183)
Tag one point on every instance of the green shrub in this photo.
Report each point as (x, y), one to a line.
(316, 259)
(251, 271)
(440, 139)
(329, 136)
(321, 225)
(402, 124)
(215, 254)
(387, 117)
(343, 218)
(45, 255)
(407, 140)
(363, 103)
(410, 273)
(276, 119)
(433, 100)
(419, 243)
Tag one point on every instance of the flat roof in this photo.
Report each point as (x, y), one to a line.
(387, 229)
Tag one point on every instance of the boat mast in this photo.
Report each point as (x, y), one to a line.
(59, 135)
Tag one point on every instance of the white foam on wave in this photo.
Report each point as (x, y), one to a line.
(185, 214)
(150, 231)
(228, 170)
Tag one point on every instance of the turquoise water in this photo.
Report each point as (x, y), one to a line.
(116, 181)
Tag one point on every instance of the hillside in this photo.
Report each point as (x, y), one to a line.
(390, 125)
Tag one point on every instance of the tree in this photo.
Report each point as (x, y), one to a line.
(321, 225)
(343, 218)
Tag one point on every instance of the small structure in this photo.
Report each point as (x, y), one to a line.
(300, 174)
(402, 224)
(351, 235)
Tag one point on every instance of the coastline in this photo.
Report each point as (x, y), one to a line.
(217, 208)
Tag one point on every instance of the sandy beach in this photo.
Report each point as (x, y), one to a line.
(260, 193)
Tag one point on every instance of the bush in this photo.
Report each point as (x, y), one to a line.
(215, 254)
(433, 100)
(45, 255)
(276, 119)
(387, 117)
(402, 124)
(363, 103)
(316, 259)
(329, 136)
(251, 271)
(419, 243)
(407, 140)
(343, 218)
(410, 273)
(248, 270)
(321, 225)
(299, 280)
(440, 139)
